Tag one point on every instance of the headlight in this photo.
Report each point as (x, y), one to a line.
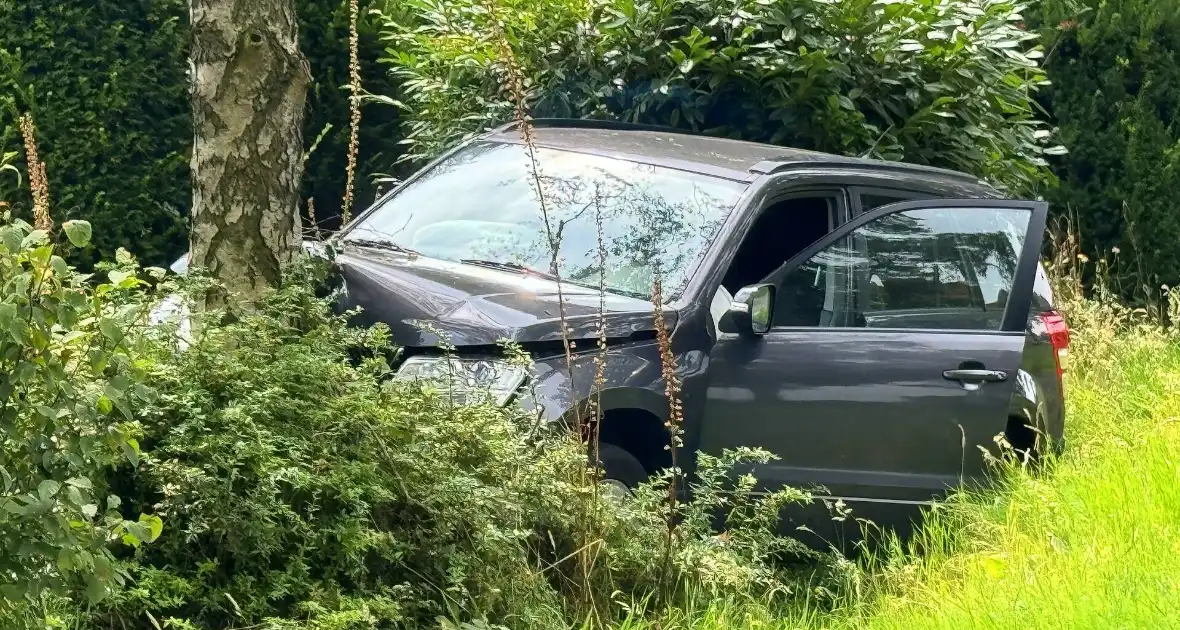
(468, 380)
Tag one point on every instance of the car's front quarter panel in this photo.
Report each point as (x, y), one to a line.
(632, 379)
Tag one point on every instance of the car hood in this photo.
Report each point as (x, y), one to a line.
(419, 297)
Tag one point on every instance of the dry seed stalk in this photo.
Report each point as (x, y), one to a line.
(675, 417)
(515, 78)
(600, 358)
(38, 180)
(354, 102)
(315, 227)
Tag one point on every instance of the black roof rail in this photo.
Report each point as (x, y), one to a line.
(593, 123)
(769, 167)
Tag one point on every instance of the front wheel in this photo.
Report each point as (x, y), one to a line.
(621, 471)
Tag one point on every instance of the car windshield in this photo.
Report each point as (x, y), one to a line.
(481, 205)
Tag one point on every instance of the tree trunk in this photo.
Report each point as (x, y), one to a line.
(249, 86)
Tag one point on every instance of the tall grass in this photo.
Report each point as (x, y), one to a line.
(1093, 544)
(1093, 541)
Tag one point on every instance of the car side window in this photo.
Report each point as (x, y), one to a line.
(944, 268)
(869, 201)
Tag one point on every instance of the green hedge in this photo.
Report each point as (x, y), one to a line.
(107, 84)
(1116, 98)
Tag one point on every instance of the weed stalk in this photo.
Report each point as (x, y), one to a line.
(38, 180)
(581, 417)
(354, 103)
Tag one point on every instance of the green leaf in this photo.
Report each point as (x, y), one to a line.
(11, 238)
(137, 533)
(110, 329)
(89, 510)
(117, 277)
(80, 482)
(47, 489)
(74, 496)
(154, 524)
(131, 451)
(65, 559)
(36, 238)
(59, 266)
(79, 232)
(104, 405)
(96, 591)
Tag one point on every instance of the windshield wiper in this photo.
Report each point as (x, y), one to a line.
(519, 268)
(507, 266)
(388, 246)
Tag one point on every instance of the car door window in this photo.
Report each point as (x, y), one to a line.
(782, 230)
(870, 201)
(932, 268)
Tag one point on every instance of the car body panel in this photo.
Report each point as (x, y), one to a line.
(860, 412)
(476, 306)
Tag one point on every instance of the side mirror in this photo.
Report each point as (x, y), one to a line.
(751, 312)
(383, 185)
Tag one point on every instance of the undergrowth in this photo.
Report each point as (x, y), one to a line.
(291, 483)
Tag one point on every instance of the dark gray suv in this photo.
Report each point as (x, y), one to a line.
(876, 325)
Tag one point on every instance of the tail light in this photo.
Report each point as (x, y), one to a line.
(1058, 331)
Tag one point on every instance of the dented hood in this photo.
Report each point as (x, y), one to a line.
(477, 306)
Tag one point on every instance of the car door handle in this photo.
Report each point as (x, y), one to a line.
(975, 376)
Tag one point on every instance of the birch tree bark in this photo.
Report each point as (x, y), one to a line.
(249, 87)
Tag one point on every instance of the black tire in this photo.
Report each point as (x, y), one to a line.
(619, 465)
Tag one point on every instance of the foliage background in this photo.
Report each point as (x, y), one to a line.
(943, 83)
(1116, 98)
(107, 84)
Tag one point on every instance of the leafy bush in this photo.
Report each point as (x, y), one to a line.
(945, 83)
(69, 384)
(298, 486)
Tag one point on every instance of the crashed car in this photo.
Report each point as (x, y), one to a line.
(875, 325)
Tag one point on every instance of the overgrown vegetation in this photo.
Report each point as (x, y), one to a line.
(946, 83)
(70, 380)
(343, 500)
(271, 474)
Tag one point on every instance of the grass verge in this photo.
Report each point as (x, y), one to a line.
(1093, 543)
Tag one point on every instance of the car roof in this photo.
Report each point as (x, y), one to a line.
(723, 157)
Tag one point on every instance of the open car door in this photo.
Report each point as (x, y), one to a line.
(894, 349)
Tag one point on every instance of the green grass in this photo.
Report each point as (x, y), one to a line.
(1093, 543)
